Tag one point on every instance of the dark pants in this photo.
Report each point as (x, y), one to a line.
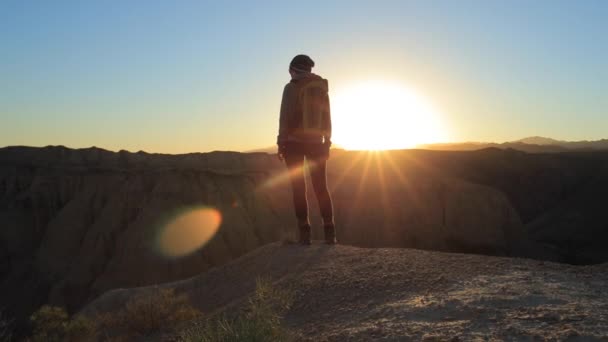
(316, 157)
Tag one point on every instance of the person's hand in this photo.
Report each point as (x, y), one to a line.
(281, 152)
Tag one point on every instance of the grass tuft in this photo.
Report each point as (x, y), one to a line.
(53, 324)
(260, 321)
(147, 314)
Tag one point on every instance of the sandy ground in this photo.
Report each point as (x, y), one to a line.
(346, 293)
(399, 294)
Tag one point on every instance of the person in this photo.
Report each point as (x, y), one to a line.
(305, 134)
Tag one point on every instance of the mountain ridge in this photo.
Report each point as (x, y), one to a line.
(533, 144)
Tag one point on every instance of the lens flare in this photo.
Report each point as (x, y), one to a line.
(188, 232)
(285, 176)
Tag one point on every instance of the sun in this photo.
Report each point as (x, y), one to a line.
(376, 115)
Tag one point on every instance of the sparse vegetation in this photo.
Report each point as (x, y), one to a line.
(147, 314)
(143, 315)
(5, 328)
(53, 323)
(260, 321)
(163, 310)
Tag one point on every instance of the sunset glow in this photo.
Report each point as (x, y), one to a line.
(201, 76)
(378, 115)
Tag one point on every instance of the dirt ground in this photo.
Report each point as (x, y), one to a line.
(344, 293)
(402, 294)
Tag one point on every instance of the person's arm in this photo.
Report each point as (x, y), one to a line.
(283, 123)
(326, 128)
(328, 136)
(283, 116)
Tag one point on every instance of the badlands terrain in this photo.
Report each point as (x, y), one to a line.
(78, 223)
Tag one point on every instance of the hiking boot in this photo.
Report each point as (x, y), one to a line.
(330, 234)
(305, 235)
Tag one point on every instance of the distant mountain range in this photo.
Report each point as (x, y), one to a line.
(273, 149)
(530, 144)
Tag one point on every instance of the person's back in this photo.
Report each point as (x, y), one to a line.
(305, 133)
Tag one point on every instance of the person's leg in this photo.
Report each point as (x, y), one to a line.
(319, 181)
(295, 166)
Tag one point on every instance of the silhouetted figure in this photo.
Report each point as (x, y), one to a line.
(305, 132)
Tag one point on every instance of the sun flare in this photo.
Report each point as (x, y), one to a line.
(377, 115)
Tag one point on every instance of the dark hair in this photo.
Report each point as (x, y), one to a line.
(301, 63)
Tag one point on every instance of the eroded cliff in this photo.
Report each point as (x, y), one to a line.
(76, 223)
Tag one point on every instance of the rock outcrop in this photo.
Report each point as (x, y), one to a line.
(76, 223)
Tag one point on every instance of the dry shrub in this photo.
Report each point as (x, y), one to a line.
(51, 323)
(259, 322)
(147, 314)
(5, 328)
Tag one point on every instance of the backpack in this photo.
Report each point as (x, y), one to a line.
(313, 102)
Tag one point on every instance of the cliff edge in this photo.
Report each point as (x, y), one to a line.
(345, 293)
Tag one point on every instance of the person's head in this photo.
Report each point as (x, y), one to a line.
(300, 64)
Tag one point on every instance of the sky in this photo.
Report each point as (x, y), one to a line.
(195, 76)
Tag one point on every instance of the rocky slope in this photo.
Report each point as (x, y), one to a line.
(560, 197)
(346, 293)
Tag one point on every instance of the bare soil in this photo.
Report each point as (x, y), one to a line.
(344, 293)
(355, 294)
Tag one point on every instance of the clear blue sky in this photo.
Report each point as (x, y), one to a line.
(183, 76)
